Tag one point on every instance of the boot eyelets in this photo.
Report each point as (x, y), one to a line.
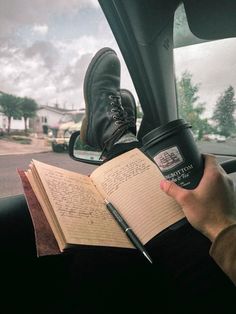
(110, 97)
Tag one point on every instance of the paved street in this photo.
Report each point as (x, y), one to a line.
(13, 156)
(226, 148)
(10, 183)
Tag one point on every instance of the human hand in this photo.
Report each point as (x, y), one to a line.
(211, 206)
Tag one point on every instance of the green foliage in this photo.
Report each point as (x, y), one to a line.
(10, 106)
(21, 139)
(189, 107)
(17, 107)
(28, 108)
(224, 112)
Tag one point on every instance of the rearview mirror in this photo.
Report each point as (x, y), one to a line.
(83, 152)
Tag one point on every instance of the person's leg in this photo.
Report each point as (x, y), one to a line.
(179, 268)
(110, 120)
(110, 125)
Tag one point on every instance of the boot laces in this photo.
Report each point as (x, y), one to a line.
(120, 116)
(117, 111)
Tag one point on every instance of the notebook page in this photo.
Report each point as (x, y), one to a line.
(79, 208)
(131, 182)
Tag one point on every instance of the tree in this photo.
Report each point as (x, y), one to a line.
(189, 107)
(223, 114)
(28, 108)
(9, 105)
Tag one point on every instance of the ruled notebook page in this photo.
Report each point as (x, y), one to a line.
(76, 207)
(131, 182)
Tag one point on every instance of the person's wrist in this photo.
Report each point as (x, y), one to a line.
(212, 231)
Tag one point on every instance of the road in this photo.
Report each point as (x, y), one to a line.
(226, 148)
(10, 183)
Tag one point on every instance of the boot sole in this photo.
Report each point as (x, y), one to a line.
(88, 82)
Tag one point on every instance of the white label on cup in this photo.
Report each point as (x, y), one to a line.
(168, 158)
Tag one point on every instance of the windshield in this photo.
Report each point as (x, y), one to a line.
(205, 83)
(78, 117)
(44, 55)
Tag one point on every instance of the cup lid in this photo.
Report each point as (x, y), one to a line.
(164, 130)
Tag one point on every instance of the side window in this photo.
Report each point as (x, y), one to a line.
(206, 88)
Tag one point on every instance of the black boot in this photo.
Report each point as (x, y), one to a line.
(106, 121)
(129, 105)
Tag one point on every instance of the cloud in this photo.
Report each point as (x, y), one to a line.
(77, 70)
(50, 72)
(15, 13)
(44, 50)
(40, 29)
(19, 73)
(46, 71)
(47, 57)
(212, 65)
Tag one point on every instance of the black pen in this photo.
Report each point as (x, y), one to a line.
(129, 232)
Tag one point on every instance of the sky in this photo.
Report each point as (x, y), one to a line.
(46, 46)
(213, 69)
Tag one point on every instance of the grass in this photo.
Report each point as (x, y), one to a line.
(21, 139)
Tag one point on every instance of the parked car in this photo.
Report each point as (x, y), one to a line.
(214, 137)
(221, 138)
(59, 135)
(209, 137)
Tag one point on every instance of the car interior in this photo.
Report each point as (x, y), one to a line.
(183, 277)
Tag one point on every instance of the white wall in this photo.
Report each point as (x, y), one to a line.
(52, 117)
(16, 124)
(3, 121)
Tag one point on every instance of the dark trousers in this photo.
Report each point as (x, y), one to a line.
(182, 279)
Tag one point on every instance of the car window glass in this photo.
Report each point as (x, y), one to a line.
(44, 54)
(205, 83)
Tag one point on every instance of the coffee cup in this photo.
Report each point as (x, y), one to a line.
(174, 150)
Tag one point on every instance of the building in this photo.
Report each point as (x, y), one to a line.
(48, 117)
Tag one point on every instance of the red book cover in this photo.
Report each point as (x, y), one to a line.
(46, 243)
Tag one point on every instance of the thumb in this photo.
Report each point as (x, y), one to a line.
(170, 188)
